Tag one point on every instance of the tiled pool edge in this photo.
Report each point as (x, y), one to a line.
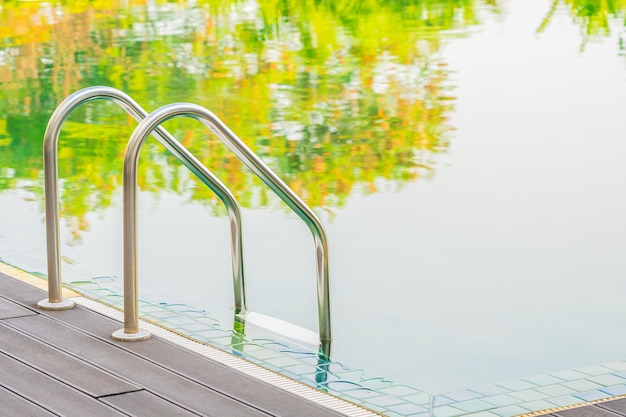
(571, 407)
(528, 396)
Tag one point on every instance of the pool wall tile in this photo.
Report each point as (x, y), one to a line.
(441, 400)
(529, 395)
(556, 390)
(582, 385)
(420, 399)
(537, 405)
(564, 401)
(510, 411)
(447, 411)
(489, 390)
(607, 380)
(473, 406)
(593, 370)
(543, 380)
(406, 409)
(569, 375)
(591, 395)
(517, 385)
(462, 395)
(615, 390)
(502, 400)
(483, 414)
(615, 366)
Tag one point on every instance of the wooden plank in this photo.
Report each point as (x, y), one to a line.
(589, 411)
(13, 405)
(145, 404)
(41, 389)
(223, 384)
(617, 406)
(136, 369)
(74, 372)
(9, 309)
(213, 375)
(15, 290)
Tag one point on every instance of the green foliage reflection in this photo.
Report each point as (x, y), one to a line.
(595, 17)
(333, 95)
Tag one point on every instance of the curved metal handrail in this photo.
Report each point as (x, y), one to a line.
(239, 148)
(55, 299)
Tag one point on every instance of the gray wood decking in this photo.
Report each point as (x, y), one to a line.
(65, 363)
(612, 408)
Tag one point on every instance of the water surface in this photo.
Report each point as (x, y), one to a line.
(466, 157)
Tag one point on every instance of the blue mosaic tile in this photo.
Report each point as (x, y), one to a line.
(517, 385)
(615, 366)
(440, 400)
(263, 354)
(510, 411)
(543, 380)
(569, 375)
(343, 386)
(564, 401)
(377, 383)
(407, 409)
(362, 393)
(421, 399)
(462, 395)
(615, 390)
(473, 406)
(594, 370)
(607, 380)
(447, 411)
(301, 369)
(529, 395)
(376, 408)
(282, 362)
(353, 376)
(537, 405)
(490, 390)
(591, 395)
(556, 390)
(384, 400)
(392, 414)
(582, 385)
(502, 400)
(400, 391)
(483, 414)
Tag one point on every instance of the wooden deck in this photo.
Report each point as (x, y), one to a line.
(613, 408)
(65, 363)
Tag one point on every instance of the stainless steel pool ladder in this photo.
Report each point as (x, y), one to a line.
(252, 161)
(55, 299)
(151, 124)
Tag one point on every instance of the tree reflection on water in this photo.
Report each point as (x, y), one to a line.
(332, 95)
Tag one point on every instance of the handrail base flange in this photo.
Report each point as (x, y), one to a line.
(64, 304)
(122, 336)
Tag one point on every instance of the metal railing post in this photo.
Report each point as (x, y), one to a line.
(55, 300)
(252, 161)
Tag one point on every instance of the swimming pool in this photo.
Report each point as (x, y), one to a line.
(465, 157)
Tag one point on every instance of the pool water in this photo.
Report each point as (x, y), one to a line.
(465, 156)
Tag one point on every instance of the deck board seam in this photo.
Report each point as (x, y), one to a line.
(137, 355)
(27, 398)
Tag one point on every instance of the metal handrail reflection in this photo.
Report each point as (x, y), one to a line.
(55, 299)
(252, 161)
